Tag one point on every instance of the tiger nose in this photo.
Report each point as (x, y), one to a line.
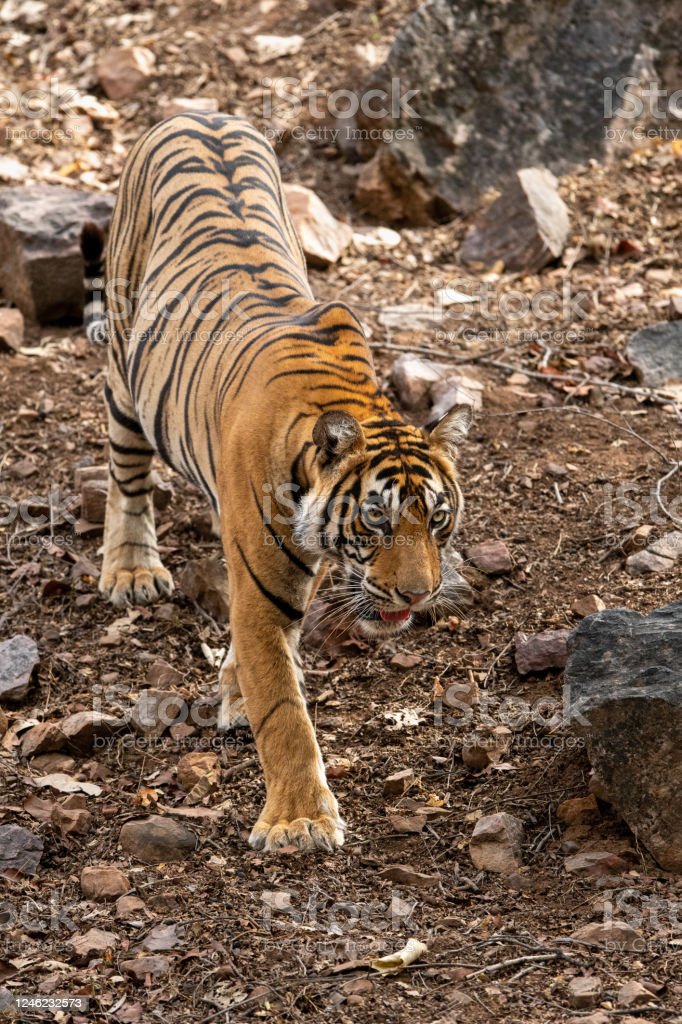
(412, 597)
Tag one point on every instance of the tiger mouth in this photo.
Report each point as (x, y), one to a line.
(377, 623)
(377, 615)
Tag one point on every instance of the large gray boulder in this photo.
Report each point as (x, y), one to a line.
(624, 693)
(41, 267)
(505, 86)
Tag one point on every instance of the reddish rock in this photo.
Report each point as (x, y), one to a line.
(123, 70)
(595, 864)
(156, 840)
(542, 651)
(103, 882)
(490, 556)
(588, 605)
(398, 783)
(578, 810)
(91, 944)
(42, 739)
(584, 992)
(614, 935)
(496, 841)
(153, 967)
(195, 766)
(11, 329)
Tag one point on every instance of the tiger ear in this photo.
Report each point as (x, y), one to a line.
(338, 434)
(451, 429)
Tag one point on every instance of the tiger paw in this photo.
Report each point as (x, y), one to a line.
(308, 834)
(141, 585)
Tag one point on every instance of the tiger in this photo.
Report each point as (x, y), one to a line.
(222, 362)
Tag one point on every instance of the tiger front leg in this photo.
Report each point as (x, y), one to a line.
(132, 572)
(300, 809)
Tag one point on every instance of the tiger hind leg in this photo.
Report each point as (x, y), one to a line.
(132, 572)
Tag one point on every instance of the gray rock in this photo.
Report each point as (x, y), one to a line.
(20, 849)
(641, 563)
(18, 658)
(41, 267)
(526, 227)
(656, 353)
(623, 691)
(500, 87)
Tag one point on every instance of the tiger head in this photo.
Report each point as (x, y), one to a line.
(384, 504)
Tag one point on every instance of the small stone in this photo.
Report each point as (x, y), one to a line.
(595, 864)
(128, 907)
(18, 659)
(525, 228)
(668, 546)
(20, 850)
(266, 48)
(406, 875)
(48, 764)
(633, 993)
(156, 710)
(613, 935)
(486, 746)
(123, 70)
(156, 840)
(496, 841)
(542, 651)
(323, 238)
(154, 967)
(11, 329)
(490, 556)
(656, 353)
(42, 739)
(578, 810)
(188, 105)
(398, 783)
(641, 563)
(408, 823)
(163, 676)
(412, 378)
(195, 766)
(72, 821)
(584, 992)
(103, 882)
(91, 944)
(588, 605)
(83, 729)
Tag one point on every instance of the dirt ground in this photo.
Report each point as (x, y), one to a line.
(551, 460)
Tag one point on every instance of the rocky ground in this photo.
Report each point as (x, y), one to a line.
(561, 470)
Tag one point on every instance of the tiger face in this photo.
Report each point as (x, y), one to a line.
(384, 505)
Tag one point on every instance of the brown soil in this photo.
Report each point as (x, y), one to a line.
(540, 471)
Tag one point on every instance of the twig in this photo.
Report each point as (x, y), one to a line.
(535, 958)
(659, 500)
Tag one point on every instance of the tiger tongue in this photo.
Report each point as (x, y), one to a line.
(400, 616)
